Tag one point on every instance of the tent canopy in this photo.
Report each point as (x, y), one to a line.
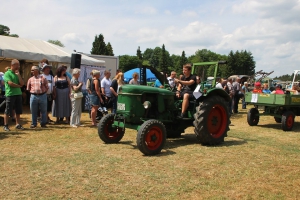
(36, 50)
(149, 75)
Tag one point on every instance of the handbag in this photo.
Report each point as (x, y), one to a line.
(78, 95)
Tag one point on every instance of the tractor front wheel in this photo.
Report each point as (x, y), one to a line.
(211, 121)
(287, 119)
(253, 117)
(151, 137)
(109, 133)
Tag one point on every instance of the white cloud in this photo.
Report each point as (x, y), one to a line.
(74, 38)
(189, 13)
(269, 29)
(168, 12)
(148, 10)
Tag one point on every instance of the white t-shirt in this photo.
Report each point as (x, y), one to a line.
(171, 82)
(50, 80)
(105, 83)
(219, 85)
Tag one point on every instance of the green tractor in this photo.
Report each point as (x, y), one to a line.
(153, 113)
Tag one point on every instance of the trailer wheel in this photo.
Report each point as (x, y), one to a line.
(211, 120)
(109, 133)
(253, 117)
(151, 137)
(287, 123)
(277, 119)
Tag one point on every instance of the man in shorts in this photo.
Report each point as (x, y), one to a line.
(13, 93)
(186, 87)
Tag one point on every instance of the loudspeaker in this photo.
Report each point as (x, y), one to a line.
(75, 60)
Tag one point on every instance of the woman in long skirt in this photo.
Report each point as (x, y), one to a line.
(61, 94)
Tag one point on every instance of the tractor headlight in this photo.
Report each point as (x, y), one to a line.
(147, 104)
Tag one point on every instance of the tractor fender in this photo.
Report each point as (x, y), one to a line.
(218, 92)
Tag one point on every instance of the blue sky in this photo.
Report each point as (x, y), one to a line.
(269, 29)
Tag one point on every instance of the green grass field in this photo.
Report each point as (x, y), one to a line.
(60, 162)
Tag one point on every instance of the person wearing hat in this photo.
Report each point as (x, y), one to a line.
(257, 88)
(46, 68)
(37, 85)
(13, 94)
(278, 90)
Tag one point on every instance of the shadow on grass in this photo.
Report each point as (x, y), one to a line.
(4, 135)
(190, 139)
(129, 142)
(165, 152)
(277, 126)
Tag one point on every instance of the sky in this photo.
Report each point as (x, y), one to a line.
(269, 29)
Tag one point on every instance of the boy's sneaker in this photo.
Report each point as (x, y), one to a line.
(20, 127)
(100, 109)
(5, 128)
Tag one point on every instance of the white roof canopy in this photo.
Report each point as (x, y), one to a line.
(36, 50)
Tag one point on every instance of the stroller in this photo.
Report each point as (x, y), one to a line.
(102, 110)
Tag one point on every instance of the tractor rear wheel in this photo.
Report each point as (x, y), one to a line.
(253, 117)
(109, 133)
(287, 123)
(277, 119)
(211, 120)
(151, 137)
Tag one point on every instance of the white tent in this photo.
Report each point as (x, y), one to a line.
(36, 50)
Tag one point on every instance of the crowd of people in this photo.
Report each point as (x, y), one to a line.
(60, 94)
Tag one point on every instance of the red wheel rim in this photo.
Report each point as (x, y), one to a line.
(154, 138)
(289, 121)
(217, 121)
(110, 132)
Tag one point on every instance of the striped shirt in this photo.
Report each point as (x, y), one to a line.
(37, 85)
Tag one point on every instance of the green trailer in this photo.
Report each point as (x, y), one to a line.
(284, 107)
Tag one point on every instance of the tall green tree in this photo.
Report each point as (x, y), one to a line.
(147, 54)
(99, 46)
(139, 53)
(176, 64)
(56, 42)
(127, 62)
(5, 30)
(183, 60)
(154, 60)
(109, 50)
(163, 61)
(241, 63)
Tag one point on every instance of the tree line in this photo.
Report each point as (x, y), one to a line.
(238, 63)
(287, 77)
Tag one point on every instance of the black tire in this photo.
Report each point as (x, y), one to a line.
(253, 117)
(277, 119)
(288, 119)
(107, 132)
(211, 120)
(151, 137)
